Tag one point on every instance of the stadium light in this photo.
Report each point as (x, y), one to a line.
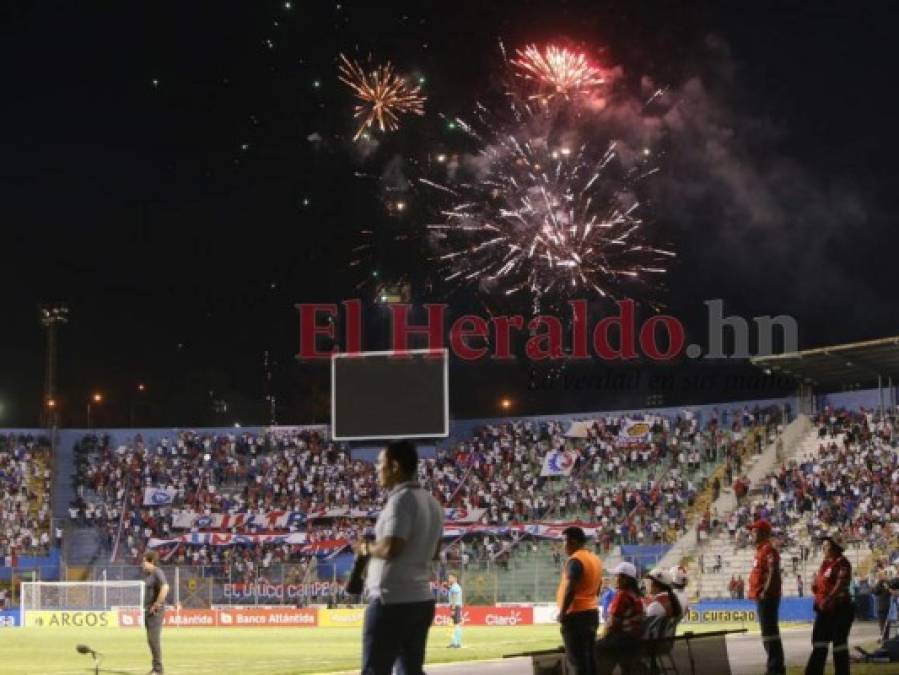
(96, 399)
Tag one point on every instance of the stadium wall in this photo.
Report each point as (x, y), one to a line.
(792, 610)
(864, 398)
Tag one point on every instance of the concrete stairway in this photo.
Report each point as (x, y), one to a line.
(795, 438)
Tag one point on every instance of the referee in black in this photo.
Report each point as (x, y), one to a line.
(156, 588)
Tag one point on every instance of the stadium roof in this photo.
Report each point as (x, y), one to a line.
(851, 363)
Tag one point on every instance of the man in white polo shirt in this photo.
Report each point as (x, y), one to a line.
(398, 580)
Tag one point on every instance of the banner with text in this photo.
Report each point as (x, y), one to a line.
(66, 619)
(242, 617)
(551, 530)
(740, 611)
(283, 520)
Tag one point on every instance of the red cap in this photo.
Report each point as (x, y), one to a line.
(762, 525)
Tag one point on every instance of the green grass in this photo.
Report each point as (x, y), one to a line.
(217, 651)
(275, 651)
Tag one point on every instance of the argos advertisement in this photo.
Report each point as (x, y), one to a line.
(66, 619)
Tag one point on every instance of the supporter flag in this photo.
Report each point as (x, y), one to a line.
(635, 431)
(159, 496)
(558, 463)
(579, 429)
(459, 515)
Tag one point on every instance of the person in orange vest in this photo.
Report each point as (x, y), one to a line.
(577, 602)
(624, 625)
(765, 589)
(834, 610)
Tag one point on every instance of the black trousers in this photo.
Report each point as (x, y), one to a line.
(882, 619)
(768, 613)
(830, 627)
(153, 624)
(579, 636)
(617, 649)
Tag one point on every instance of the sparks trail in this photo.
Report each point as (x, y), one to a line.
(557, 72)
(540, 217)
(383, 95)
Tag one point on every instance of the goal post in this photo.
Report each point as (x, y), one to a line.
(79, 596)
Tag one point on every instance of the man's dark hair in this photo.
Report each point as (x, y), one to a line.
(403, 453)
(152, 557)
(575, 534)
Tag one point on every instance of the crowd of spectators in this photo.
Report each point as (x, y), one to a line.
(637, 492)
(25, 510)
(850, 482)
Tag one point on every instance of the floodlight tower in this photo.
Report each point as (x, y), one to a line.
(51, 316)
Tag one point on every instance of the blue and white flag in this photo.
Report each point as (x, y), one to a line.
(159, 496)
(558, 463)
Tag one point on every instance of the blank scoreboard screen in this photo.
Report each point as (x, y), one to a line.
(382, 395)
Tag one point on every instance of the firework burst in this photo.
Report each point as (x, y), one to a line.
(543, 218)
(383, 95)
(557, 71)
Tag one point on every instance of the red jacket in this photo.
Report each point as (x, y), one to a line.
(831, 574)
(767, 560)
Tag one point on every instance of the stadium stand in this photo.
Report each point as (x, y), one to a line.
(639, 493)
(25, 512)
(845, 474)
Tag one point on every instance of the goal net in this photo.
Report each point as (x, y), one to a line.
(80, 596)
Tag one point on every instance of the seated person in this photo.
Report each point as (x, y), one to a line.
(661, 600)
(624, 624)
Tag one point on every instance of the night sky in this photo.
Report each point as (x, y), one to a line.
(158, 175)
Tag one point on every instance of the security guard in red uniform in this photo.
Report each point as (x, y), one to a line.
(765, 589)
(834, 609)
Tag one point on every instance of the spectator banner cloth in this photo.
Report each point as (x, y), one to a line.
(551, 530)
(159, 496)
(634, 432)
(283, 520)
(558, 463)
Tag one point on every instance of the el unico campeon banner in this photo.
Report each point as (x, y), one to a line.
(282, 520)
(550, 530)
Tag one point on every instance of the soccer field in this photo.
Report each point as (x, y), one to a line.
(291, 651)
(285, 651)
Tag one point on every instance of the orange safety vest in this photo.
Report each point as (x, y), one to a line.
(587, 590)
